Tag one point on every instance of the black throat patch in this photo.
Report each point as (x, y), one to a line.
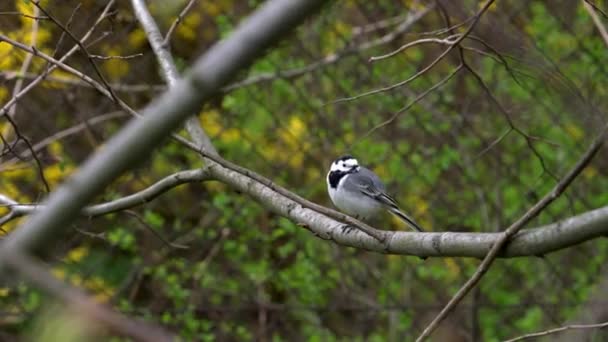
(334, 178)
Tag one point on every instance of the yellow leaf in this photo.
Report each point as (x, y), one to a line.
(77, 254)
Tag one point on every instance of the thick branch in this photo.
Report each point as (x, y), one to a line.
(536, 241)
(530, 242)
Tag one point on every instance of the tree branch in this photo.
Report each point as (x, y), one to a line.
(216, 68)
(169, 70)
(557, 330)
(510, 232)
(117, 323)
(146, 195)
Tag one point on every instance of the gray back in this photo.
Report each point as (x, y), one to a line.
(364, 177)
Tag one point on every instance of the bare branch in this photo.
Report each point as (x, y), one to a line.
(105, 58)
(413, 102)
(504, 238)
(335, 57)
(23, 15)
(445, 41)
(26, 64)
(134, 142)
(170, 73)
(60, 135)
(476, 17)
(537, 241)
(558, 330)
(82, 47)
(177, 21)
(119, 87)
(41, 77)
(123, 203)
(529, 242)
(596, 8)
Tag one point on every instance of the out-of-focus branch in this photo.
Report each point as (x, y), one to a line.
(94, 312)
(596, 20)
(135, 141)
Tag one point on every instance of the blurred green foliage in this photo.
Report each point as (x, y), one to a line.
(452, 161)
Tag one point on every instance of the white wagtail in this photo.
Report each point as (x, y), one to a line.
(359, 192)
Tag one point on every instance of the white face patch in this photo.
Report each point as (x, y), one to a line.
(344, 165)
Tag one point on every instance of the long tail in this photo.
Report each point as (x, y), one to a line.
(405, 218)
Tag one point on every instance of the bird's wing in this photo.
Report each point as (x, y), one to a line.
(368, 188)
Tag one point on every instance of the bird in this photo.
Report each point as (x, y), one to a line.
(359, 192)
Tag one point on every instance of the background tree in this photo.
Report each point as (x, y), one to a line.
(473, 112)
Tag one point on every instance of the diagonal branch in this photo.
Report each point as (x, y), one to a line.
(216, 68)
(169, 70)
(513, 229)
(117, 323)
(558, 330)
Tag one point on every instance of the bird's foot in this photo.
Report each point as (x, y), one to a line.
(347, 229)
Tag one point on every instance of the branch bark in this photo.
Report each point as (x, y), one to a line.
(169, 70)
(146, 195)
(513, 229)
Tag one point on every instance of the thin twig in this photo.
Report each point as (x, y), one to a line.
(477, 16)
(35, 17)
(41, 77)
(177, 21)
(445, 41)
(333, 58)
(557, 330)
(83, 49)
(26, 63)
(119, 87)
(105, 58)
(61, 135)
(414, 101)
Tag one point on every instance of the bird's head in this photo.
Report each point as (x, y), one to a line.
(345, 164)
